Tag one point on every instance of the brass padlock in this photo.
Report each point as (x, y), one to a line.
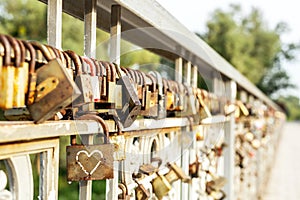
(124, 195)
(141, 193)
(90, 162)
(162, 112)
(146, 94)
(176, 173)
(161, 186)
(152, 111)
(21, 78)
(6, 76)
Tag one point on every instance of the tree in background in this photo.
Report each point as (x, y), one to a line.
(251, 46)
(27, 19)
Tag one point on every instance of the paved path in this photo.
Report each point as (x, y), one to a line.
(285, 177)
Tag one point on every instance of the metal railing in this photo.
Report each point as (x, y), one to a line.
(148, 25)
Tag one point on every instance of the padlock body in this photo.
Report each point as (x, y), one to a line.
(7, 87)
(56, 98)
(90, 162)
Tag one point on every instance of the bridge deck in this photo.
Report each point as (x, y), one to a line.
(284, 181)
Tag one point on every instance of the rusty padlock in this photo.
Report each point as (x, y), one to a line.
(90, 162)
(6, 76)
(55, 88)
(82, 80)
(131, 106)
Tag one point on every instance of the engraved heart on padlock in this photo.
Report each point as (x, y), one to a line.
(89, 155)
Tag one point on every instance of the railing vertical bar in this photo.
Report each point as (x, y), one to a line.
(187, 75)
(229, 152)
(90, 27)
(115, 46)
(178, 69)
(54, 23)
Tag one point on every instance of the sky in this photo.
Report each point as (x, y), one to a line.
(195, 13)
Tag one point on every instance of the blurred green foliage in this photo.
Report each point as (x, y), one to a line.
(254, 49)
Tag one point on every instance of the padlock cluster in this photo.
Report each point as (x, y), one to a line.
(40, 82)
(255, 144)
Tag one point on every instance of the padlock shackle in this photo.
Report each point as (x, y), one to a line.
(131, 74)
(52, 52)
(143, 78)
(165, 85)
(97, 67)
(16, 48)
(124, 69)
(137, 76)
(100, 121)
(153, 80)
(31, 50)
(62, 57)
(7, 50)
(108, 72)
(67, 58)
(76, 60)
(46, 53)
(91, 65)
(102, 68)
(23, 51)
(113, 71)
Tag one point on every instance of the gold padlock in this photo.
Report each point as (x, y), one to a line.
(161, 186)
(7, 76)
(21, 79)
(176, 173)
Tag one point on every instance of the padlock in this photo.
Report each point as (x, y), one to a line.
(204, 110)
(7, 75)
(175, 90)
(118, 88)
(99, 77)
(93, 78)
(110, 83)
(70, 67)
(54, 91)
(141, 193)
(82, 80)
(176, 173)
(30, 91)
(153, 110)
(104, 77)
(169, 98)
(145, 110)
(190, 108)
(161, 114)
(90, 162)
(182, 99)
(131, 106)
(161, 186)
(194, 168)
(21, 79)
(124, 195)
